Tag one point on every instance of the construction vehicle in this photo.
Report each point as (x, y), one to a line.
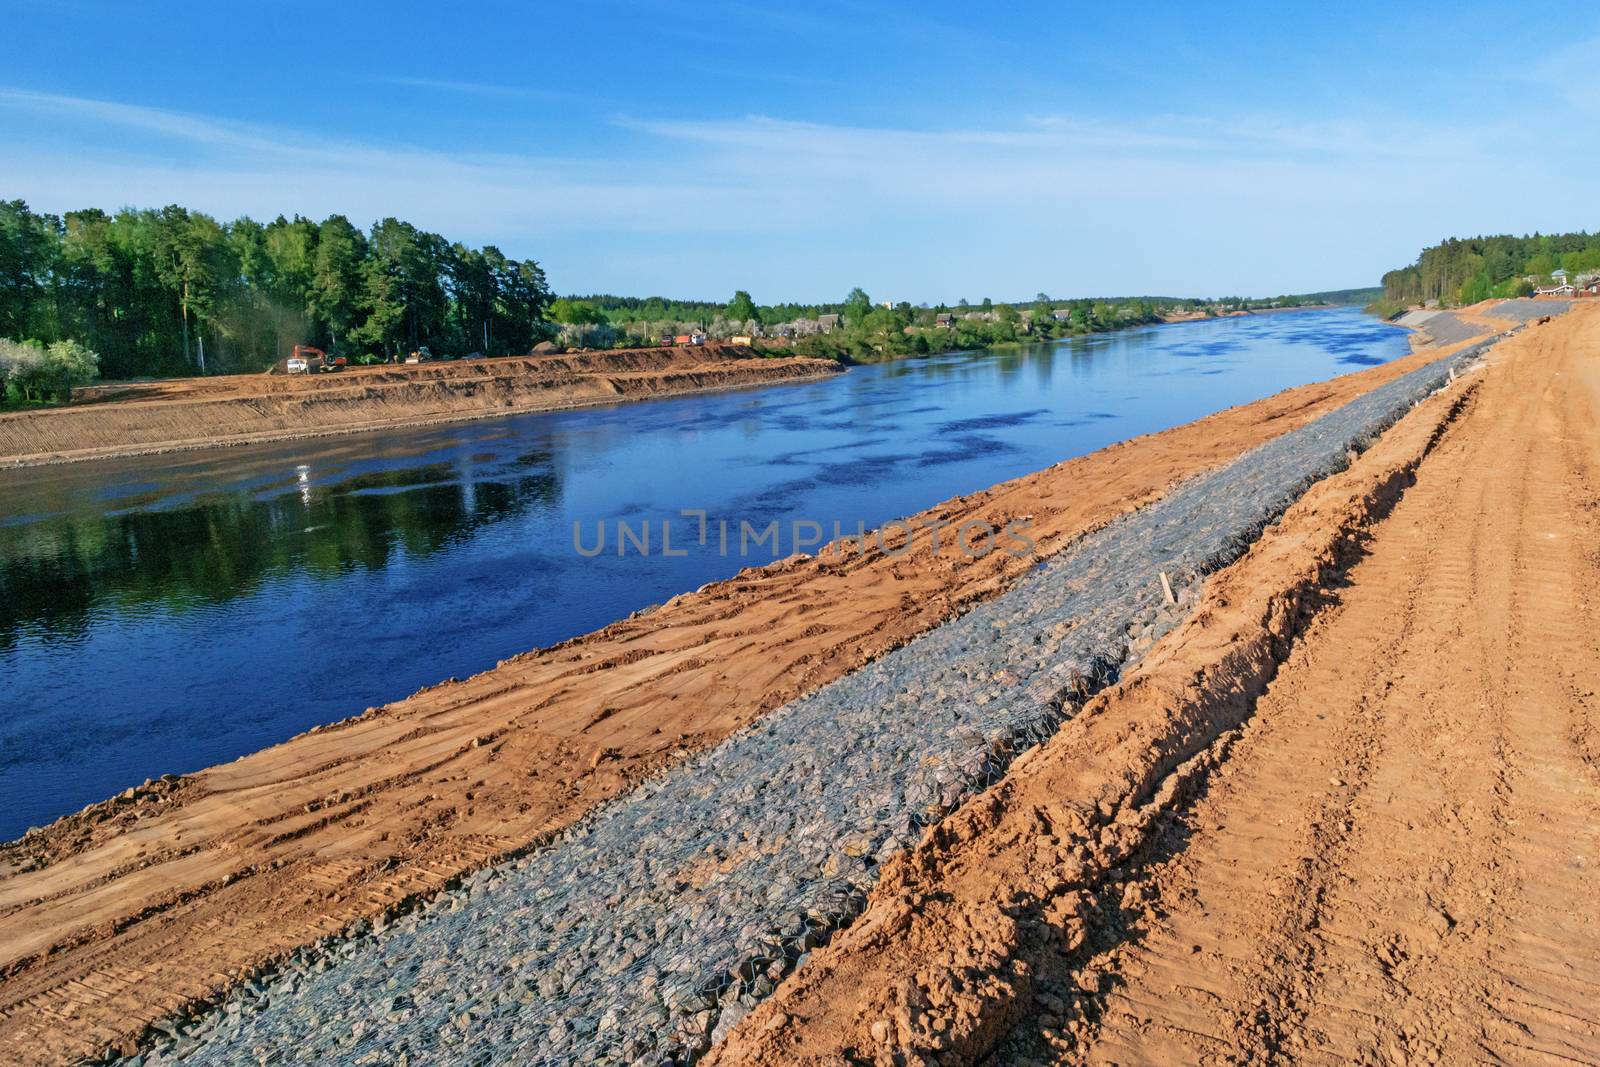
(421, 355)
(307, 359)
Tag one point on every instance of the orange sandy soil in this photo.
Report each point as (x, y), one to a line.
(1348, 813)
(135, 908)
(187, 413)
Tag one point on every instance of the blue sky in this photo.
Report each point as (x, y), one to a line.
(927, 151)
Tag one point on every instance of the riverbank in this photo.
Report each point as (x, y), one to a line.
(1433, 326)
(1346, 813)
(963, 335)
(131, 910)
(1202, 316)
(193, 413)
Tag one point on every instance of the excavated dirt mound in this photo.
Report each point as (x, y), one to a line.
(133, 909)
(239, 409)
(1348, 813)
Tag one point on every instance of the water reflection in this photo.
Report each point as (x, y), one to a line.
(160, 614)
(58, 573)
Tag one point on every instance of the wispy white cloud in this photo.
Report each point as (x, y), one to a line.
(167, 124)
(232, 168)
(485, 89)
(1165, 135)
(1074, 204)
(1567, 74)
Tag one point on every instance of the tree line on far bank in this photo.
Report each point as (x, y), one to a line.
(1461, 271)
(173, 291)
(154, 293)
(868, 330)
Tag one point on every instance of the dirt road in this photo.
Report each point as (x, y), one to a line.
(1350, 812)
(133, 909)
(1404, 859)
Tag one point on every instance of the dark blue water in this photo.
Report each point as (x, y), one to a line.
(162, 614)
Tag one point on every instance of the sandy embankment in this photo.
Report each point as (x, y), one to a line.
(1201, 316)
(135, 908)
(190, 413)
(1348, 813)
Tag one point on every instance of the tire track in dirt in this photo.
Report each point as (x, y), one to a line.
(1393, 855)
(1435, 899)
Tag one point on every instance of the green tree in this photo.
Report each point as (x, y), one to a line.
(108, 296)
(168, 248)
(210, 270)
(291, 248)
(1542, 265)
(69, 364)
(336, 280)
(402, 291)
(857, 305)
(474, 289)
(741, 308)
(28, 260)
(191, 261)
(525, 299)
(20, 366)
(576, 313)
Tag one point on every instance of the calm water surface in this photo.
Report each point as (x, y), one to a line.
(161, 614)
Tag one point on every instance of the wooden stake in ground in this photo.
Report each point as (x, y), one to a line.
(1166, 590)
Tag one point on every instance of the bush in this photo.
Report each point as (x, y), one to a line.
(20, 367)
(588, 335)
(36, 373)
(70, 363)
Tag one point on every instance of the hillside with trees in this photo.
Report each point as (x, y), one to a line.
(1466, 270)
(173, 291)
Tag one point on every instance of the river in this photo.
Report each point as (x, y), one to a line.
(160, 614)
